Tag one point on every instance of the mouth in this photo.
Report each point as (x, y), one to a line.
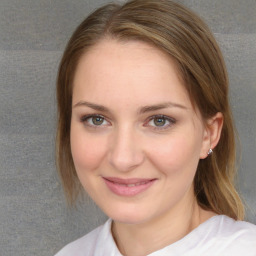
(127, 187)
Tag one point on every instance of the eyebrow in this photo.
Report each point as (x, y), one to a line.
(92, 105)
(151, 108)
(142, 110)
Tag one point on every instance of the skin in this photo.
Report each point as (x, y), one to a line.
(119, 81)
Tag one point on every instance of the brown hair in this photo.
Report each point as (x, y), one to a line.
(186, 39)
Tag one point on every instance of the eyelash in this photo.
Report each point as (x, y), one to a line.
(85, 119)
(165, 118)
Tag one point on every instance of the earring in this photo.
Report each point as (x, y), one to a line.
(210, 152)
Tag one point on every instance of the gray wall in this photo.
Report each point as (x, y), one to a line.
(34, 219)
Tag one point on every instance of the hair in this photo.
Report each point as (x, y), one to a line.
(184, 37)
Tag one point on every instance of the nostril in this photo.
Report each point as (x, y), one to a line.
(125, 160)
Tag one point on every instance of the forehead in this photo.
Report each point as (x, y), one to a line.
(126, 54)
(126, 70)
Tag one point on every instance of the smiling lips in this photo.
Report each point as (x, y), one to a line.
(127, 187)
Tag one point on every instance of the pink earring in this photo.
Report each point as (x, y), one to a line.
(210, 152)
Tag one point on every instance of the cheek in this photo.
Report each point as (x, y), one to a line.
(87, 152)
(176, 155)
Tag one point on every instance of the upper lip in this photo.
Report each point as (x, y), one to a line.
(127, 181)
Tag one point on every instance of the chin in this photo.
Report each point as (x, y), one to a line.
(130, 219)
(129, 215)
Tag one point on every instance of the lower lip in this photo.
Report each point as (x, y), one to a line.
(122, 190)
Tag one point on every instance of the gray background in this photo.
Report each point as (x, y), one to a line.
(34, 219)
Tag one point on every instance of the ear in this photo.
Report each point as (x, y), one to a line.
(212, 134)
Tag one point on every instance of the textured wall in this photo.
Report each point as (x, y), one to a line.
(34, 219)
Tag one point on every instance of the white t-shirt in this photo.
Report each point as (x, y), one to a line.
(218, 236)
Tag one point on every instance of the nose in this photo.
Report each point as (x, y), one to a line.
(125, 153)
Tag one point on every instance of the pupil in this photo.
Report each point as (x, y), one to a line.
(159, 121)
(97, 120)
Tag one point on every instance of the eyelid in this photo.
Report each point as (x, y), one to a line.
(171, 121)
(84, 119)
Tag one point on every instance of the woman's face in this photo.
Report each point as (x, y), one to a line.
(135, 138)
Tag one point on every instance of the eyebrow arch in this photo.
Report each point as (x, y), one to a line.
(92, 105)
(142, 110)
(146, 109)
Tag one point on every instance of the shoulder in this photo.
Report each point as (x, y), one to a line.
(230, 237)
(229, 227)
(85, 245)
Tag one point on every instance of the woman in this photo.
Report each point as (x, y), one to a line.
(145, 127)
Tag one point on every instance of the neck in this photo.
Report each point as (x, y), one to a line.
(144, 238)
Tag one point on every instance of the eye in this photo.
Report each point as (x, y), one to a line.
(94, 120)
(97, 120)
(160, 122)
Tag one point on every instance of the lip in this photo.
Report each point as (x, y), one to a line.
(128, 187)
